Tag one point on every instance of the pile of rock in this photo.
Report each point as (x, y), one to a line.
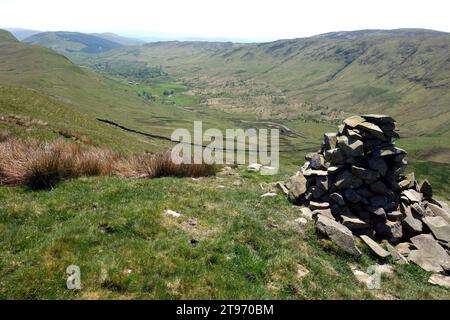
(356, 185)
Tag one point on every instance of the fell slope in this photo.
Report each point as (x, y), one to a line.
(405, 73)
(70, 42)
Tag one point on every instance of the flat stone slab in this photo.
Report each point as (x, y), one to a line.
(412, 195)
(440, 280)
(338, 233)
(353, 223)
(318, 205)
(440, 211)
(376, 248)
(430, 256)
(354, 121)
(439, 227)
(378, 118)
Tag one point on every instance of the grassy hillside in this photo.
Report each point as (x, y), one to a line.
(125, 41)
(404, 73)
(71, 42)
(26, 113)
(247, 247)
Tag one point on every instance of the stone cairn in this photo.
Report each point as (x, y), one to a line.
(356, 185)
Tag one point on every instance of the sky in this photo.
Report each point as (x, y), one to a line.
(232, 19)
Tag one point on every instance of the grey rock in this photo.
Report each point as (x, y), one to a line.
(439, 211)
(412, 195)
(367, 175)
(439, 227)
(324, 212)
(412, 225)
(330, 140)
(372, 129)
(317, 161)
(378, 201)
(387, 151)
(306, 213)
(354, 121)
(313, 173)
(379, 212)
(335, 156)
(440, 280)
(408, 182)
(426, 189)
(322, 182)
(380, 188)
(338, 198)
(395, 216)
(376, 248)
(404, 248)
(377, 164)
(430, 256)
(297, 187)
(396, 255)
(352, 147)
(348, 181)
(353, 222)
(318, 205)
(352, 196)
(379, 118)
(338, 233)
(390, 230)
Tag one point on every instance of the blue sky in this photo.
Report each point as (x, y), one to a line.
(236, 19)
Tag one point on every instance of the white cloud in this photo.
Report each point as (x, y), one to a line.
(255, 19)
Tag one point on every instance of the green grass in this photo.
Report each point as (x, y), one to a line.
(126, 248)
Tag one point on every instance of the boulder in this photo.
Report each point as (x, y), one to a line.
(440, 280)
(297, 187)
(412, 195)
(430, 256)
(439, 211)
(412, 225)
(439, 227)
(338, 233)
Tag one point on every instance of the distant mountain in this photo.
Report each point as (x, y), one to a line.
(125, 41)
(6, 37)
(353, 35)
(21, 34)
(72, 42)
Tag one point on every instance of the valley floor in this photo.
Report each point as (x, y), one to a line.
(227, 244)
